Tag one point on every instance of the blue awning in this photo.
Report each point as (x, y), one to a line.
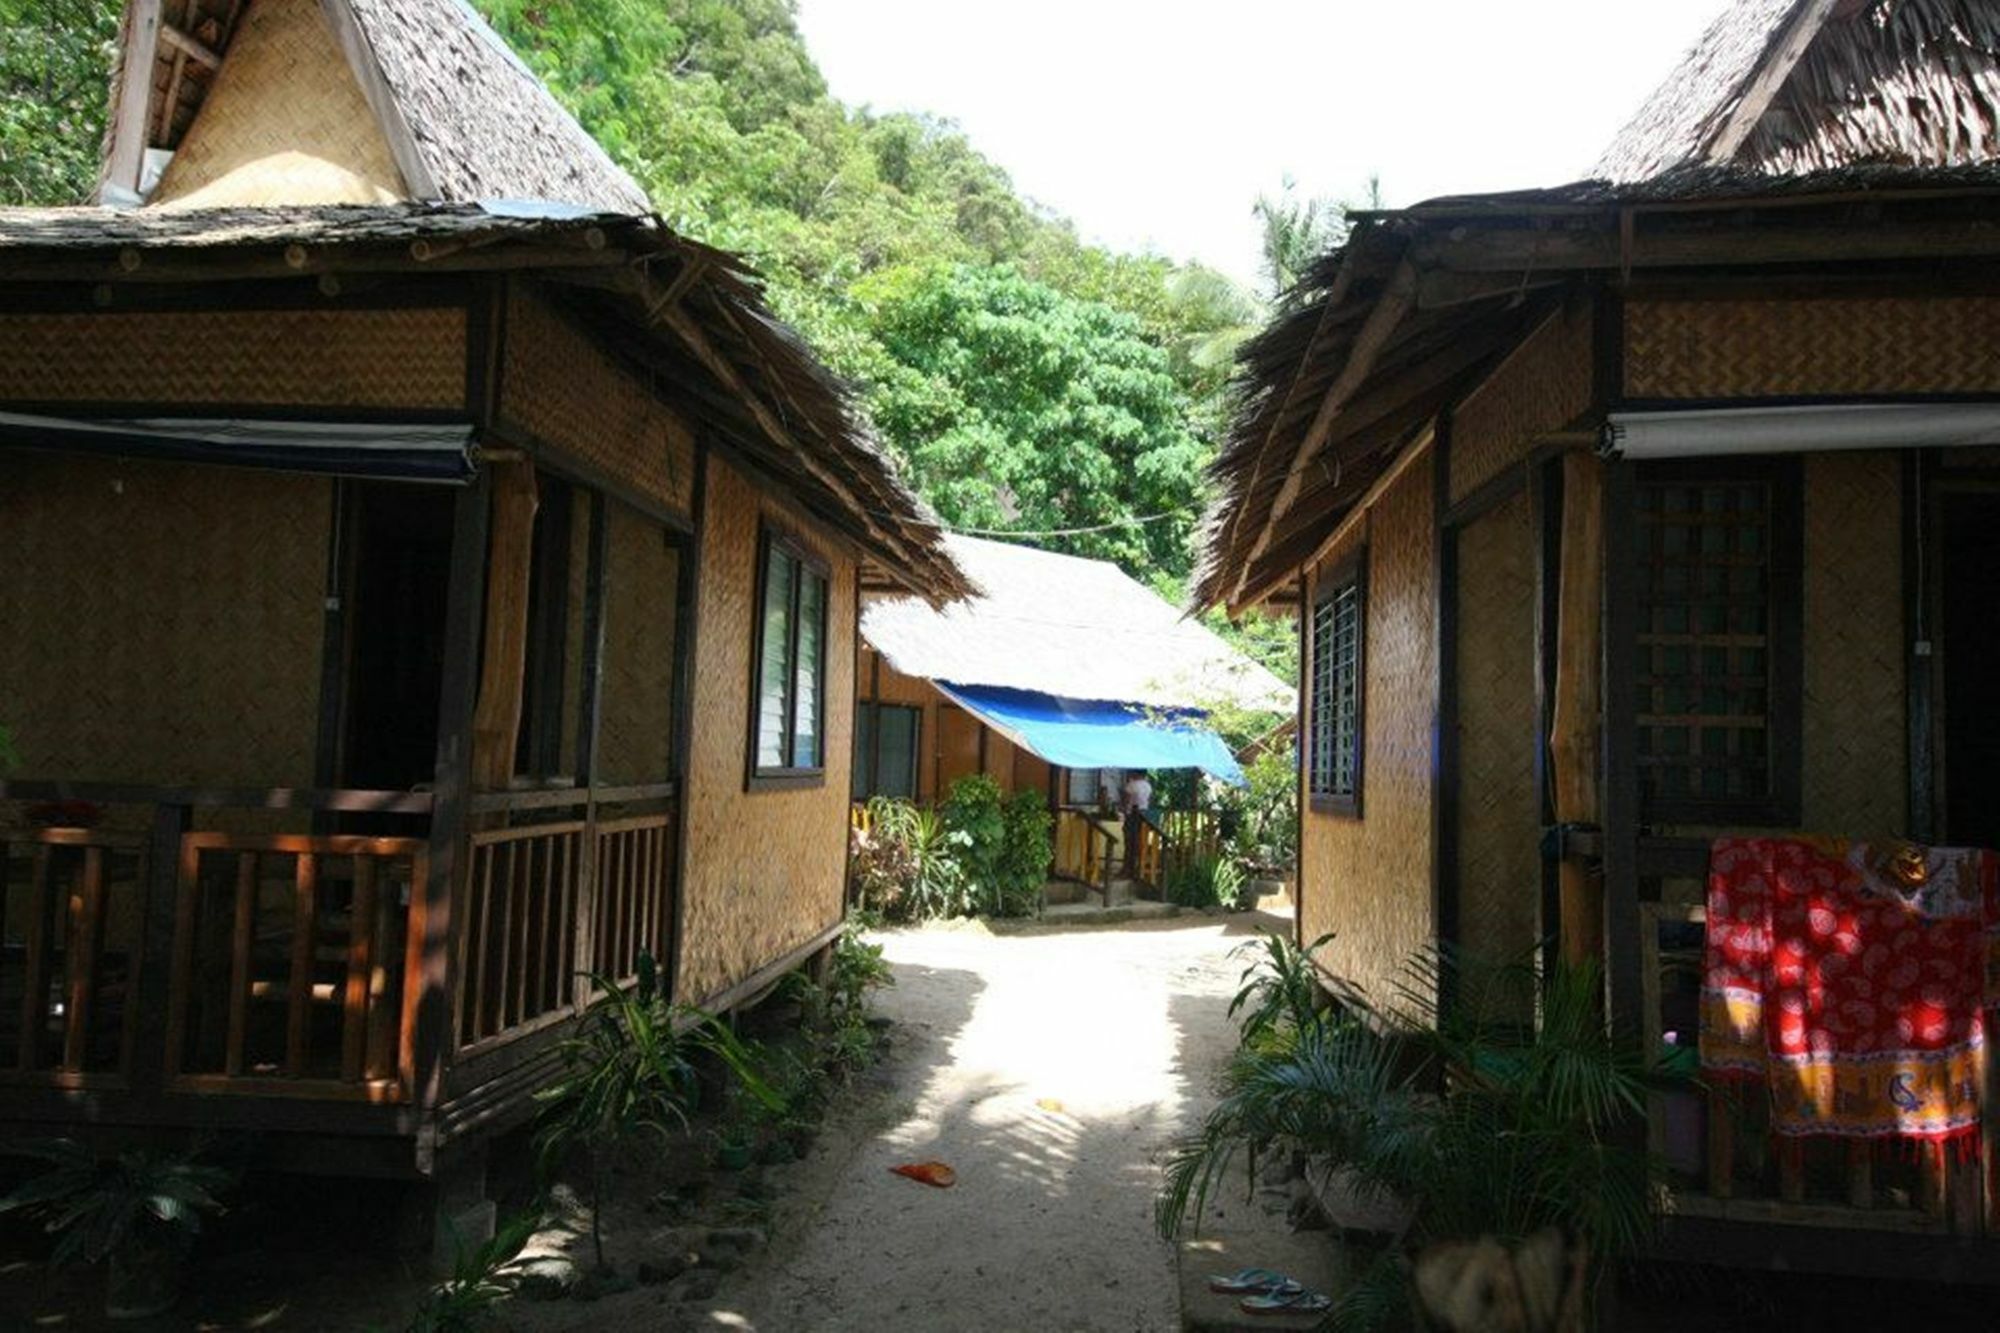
(375, 450)
(1082, 733)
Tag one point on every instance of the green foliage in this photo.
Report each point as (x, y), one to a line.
(1206, 881)
(1278, 990)
(1018, 406)
(1005, 844)
(1263, 816)
(98, 1208)
(630, 1066)
(55, 61)
(1478, 1129)
(481, 1278)
(907, 865)
(855, 971)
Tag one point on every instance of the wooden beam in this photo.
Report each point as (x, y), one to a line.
(1769, 76)
(125, 154)
(1549, 251)
(1576, 715)
(496, 719)
(418, 182)
(173, 95)
(1391, 305)
(187, 46)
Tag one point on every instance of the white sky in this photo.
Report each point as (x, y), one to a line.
(1155, 125)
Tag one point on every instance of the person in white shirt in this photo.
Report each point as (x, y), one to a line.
(1138, 794)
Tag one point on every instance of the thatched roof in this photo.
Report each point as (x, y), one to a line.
(1421, 303)
(465, 119)
(687, 316)
(1064, 625)
(1804, 85)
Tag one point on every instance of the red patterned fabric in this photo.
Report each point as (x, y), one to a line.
(1851, 977)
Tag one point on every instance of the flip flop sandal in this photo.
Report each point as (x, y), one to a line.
(1248, 1281)
(1291, 1298)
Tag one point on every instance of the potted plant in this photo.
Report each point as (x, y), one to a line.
(137, 1213)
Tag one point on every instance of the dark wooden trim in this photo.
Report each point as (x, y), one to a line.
(465, 608)
(544, 681)
(1620, 799)
(22, 291)
(333, 638)
(552, 458)
(1302, 782)
(1845, 1252)
(485, 338)
(1546, 499)
(1607, 350)
(1749, 401)
(152, 984)
(774, 536)
(1488, 495)
(590, 704)
(234, 798)
(95, 409)
(1919, 644)
(687, 641)
(1353, 571)
(1445, 889)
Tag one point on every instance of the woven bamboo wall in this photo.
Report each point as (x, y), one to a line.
(1542, 386)
(1499, 808)
(1855, 756)
(561, 387)
(1369, 879)
(636, 734)
(1832, 345)
(765, 869)
(285, 123)
(290, 358)
(162, 621)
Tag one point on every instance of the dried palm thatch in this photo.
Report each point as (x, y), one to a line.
(1803, 85)
(689, 318)
(466, 120)
(1415, 310)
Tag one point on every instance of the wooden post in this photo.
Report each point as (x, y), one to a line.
(496, 720)
(1575, 718)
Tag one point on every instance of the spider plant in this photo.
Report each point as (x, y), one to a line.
(630, 1067)
(1477, 1129)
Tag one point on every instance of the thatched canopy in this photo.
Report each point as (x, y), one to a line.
(1067, 626)
(464, 119)
(1421, 303)
(689, 318)
(1806, 85)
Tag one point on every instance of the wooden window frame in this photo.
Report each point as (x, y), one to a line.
(1351, 573)
(1781, 806)
(759, 777)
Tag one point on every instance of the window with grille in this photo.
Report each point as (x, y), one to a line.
(791, 665)
(1717, 674)
(1334, 750)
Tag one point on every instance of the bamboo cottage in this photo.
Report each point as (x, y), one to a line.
(1650, 509)
(1051, 676)
(424, 579)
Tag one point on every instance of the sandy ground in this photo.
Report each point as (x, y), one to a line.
(1050, 1069)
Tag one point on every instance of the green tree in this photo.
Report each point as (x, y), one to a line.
(55, 59)
(1020, 408)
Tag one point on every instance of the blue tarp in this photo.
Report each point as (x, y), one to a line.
(1082, 733)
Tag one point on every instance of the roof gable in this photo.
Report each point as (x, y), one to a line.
(463, 120)
(1067, 626)
(1789, 86)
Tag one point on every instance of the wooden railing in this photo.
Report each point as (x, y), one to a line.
(296, 964)
(634, 876)
(1083, 850)
(73, 900)
(517, 946)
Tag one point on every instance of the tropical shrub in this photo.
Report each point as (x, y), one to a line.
(1515, 1138)
(1210, 880)
(1006, 844)
(481, 1277)
(1266, 832)
(630, 1067)
(906, 865)
(139, 1212)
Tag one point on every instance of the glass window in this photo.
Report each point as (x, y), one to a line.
(885, 750)
(791, 665)
(1334, 751)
